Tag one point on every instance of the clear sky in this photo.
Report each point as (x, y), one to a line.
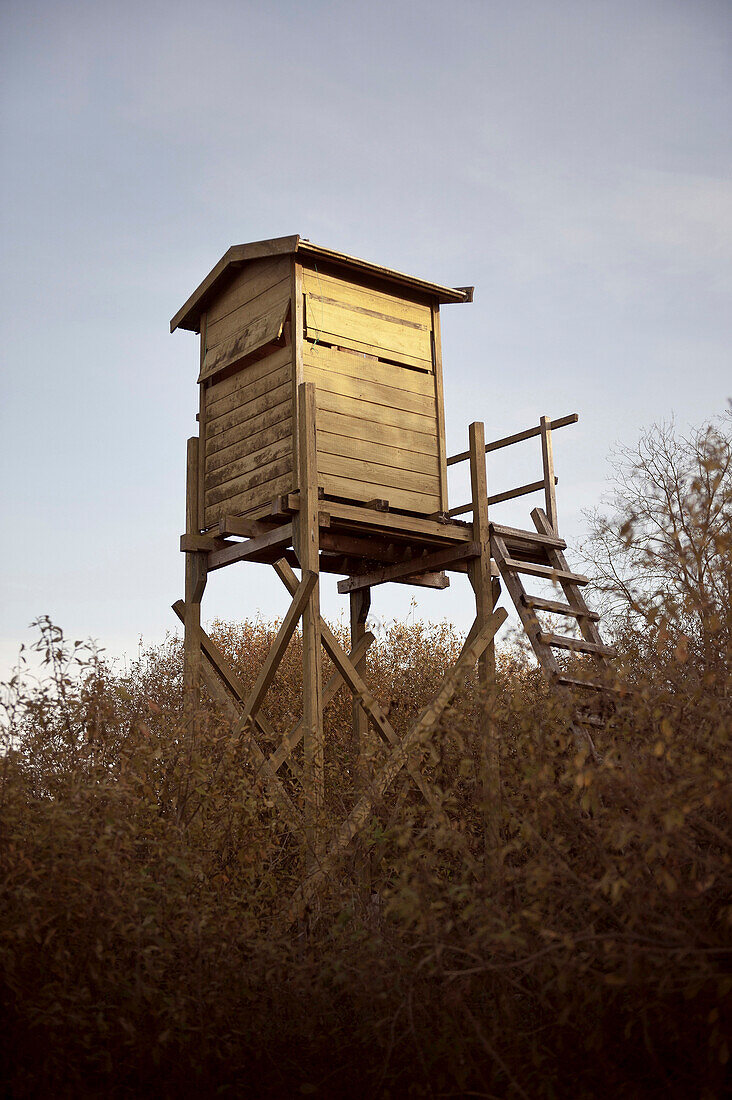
(571, 158)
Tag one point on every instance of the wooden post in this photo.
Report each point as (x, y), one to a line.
(547, 457)
(195, 582)
(479, 572)
(360, 605)
(308, 552)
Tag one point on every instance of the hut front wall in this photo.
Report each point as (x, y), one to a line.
(246, 407)
(370, 355)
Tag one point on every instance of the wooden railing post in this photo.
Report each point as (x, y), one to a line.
(547, 457)
(308, 554)
(479, 572)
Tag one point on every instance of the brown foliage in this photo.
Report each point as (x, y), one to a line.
(139, 951)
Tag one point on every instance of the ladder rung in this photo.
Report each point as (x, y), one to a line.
(517, 533)
(543, 571)
(558, 608)
(590, 685)
(578, 645)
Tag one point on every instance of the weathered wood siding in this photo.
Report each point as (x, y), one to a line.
(247, 412)
(370, 354)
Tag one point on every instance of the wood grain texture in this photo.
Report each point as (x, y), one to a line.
(245, 437)
(388, 477)
(360, 296)
(270, 297)
(355, 364)
(247, 413)
(252, 372)
(248, 283)
(361, 389)
(341, 405)
(232, 471)
(362, 451)
(247, 390)
(439, 405)
(252, 498)
(255, 333)
(374, 431)
(350, 489)
(239, 486)
(307, 547)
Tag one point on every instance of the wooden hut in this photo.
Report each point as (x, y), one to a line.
(276, 313)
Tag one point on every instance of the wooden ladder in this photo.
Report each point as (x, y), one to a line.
(539, 553)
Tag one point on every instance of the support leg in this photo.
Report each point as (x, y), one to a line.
(479, 572)
(308, 553)
(195, 583)
(360, 606)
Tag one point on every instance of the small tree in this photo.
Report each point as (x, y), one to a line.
(661, 550)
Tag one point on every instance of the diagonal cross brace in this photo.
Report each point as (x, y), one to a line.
(430, 716)
(215, 672)
(276, 653)
(358, 686)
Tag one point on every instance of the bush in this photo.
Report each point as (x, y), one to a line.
(142, 873)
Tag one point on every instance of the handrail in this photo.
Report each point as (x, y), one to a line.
(498, 498)
(548, 482)
(529, 433)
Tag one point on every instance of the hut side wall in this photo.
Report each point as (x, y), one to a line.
(246, 407)
(370, 354)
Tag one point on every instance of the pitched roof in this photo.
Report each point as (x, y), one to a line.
(189, 315)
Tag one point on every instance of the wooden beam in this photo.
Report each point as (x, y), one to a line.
(242, 525)
(307, 547)
(386, 522)
(439, 404)
(411, 568)
(203, 543)
(498, 498)
(548, 572)
(547, 458)
(290, 814)
(354, 681)
(577, 645)
(517, 534)
(195, 584)
(480, 578)
(538, 603)
(216, 673)
(226, 673)
(397, 759)
(276, 653)
(360, 605)
(273, 540)
(517, 437)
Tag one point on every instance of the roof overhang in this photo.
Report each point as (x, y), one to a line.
(189, 315)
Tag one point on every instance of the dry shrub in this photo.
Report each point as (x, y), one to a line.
(142, 874)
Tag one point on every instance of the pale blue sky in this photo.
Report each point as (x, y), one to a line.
(570, 158)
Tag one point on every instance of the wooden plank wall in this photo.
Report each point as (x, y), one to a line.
(370, 355)
(247, 415)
